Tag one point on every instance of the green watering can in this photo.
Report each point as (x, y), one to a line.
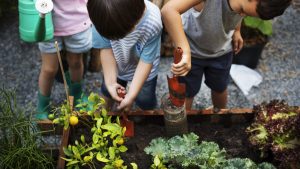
(35, 20)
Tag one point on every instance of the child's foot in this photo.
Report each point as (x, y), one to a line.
(41, 116)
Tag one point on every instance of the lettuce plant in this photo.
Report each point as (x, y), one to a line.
(276, 127)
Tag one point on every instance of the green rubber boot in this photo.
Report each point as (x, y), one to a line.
(76, 91)
(79, 96)
(43, 107)
(68, 77)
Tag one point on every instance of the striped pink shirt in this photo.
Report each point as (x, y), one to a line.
(70, 17)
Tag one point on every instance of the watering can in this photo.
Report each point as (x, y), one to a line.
(35, 20)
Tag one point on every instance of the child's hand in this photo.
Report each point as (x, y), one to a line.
(112, 89)
(183, 67)
(126, 104)
(237, 42)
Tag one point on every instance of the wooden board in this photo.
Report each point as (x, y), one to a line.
(191, 112)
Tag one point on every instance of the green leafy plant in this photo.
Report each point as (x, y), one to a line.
(19, 136)
(276, 128)
(185, 152)
(264, 26)
(238, 163)
(255, 30)
(107, 136)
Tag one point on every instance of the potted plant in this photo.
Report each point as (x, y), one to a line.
(255, 33)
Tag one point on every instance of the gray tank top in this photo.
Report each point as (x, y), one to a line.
(210, 31)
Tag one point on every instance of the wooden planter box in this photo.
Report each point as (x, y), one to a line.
(227, 117)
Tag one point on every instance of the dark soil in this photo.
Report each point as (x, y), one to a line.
(228, 132)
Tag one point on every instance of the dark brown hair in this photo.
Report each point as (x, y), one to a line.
(114, 19)
(268, 9)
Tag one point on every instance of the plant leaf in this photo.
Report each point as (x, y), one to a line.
(72, 163)
(134, 166)
(100, 158)
(111, 153)
(156, 161)
(67, 152)
(123, 149)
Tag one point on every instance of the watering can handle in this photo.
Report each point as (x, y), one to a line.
(178, 55)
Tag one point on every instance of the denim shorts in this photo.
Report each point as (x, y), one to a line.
(146, 98)
(78, 43)
(215, 70)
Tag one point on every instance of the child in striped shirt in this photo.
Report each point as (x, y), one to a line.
(128, 34)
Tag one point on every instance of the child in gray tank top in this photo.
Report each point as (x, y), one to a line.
(209, 32)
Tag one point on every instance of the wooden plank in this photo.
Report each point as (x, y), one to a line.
(48, 128)
(64, 143)
(64, 140)
(190, 112)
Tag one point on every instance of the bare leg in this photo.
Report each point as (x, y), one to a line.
(189, 103)
(95, 61)
(48, 71)
(219, 99)
(75, 66)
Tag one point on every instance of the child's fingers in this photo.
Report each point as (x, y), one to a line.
(235, 46)
(180, 64)
(180, 71)
(239, 46)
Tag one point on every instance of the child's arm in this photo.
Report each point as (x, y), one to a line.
(109, 67)
(150, 53)
(141, 74)
(237, 39)
(172, 20)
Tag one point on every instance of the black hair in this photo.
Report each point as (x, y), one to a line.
(268, 9)
(114, 19)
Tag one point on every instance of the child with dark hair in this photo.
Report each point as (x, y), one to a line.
(208, 32)
(128, 34)
(72, 31)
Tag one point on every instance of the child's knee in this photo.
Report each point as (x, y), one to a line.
(49, 70)
(75, 62)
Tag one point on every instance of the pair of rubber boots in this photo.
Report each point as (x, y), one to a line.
(43, 107)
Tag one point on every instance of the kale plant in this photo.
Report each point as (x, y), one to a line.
(185, 152)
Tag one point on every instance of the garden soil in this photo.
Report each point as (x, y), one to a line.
(228, 132)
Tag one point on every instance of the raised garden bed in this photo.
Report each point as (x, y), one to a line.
(226, 129)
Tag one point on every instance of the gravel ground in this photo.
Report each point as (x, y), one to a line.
(20, 64)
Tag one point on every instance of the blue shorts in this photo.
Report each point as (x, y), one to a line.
(78, 43)
(216, 71)
(146, 98)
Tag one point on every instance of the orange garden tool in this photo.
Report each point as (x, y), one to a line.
(125, 122)
(176, 89)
